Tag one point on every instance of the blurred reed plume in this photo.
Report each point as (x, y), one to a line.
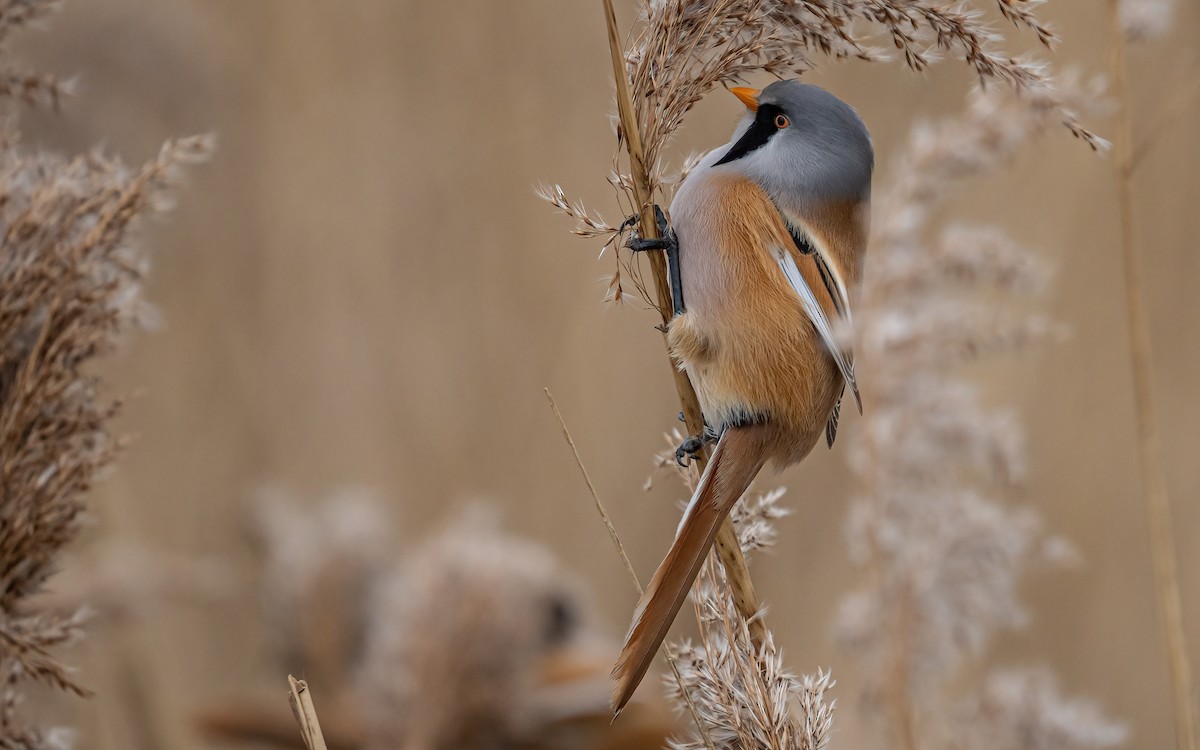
(1144, 20)
(70, 287)
(463, 633)
(471, 639)
(320, 569)
(942, 552)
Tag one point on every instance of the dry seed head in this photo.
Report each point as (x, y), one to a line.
(743, 695)
(70, 287)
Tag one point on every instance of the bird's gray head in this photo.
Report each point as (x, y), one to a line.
(801, 144)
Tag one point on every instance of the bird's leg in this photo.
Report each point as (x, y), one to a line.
(668, 243)
(692, 445)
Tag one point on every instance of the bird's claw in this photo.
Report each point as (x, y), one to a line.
(687, 450)
(666, 237)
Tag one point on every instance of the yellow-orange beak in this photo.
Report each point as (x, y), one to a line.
(748, 96)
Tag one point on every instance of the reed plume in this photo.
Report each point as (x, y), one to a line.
(942, 550)
(70, 288)
(683, 49)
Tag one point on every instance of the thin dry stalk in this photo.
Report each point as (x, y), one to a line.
(612, 530)
(1154, 486)
(730, 553)
(306, 714)
(637, 584)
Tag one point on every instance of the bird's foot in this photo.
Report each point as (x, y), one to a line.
(668, 243)
(687, 450)
(666, 237)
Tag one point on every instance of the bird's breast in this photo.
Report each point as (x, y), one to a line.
(744, 339)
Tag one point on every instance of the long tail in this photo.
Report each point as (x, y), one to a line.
(740, 454)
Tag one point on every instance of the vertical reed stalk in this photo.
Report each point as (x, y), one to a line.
(1154, 487)
(728, 549)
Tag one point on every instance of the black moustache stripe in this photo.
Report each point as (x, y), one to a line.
(756, 136)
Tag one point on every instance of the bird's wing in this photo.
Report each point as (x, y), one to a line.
(831, 424)
(843, 357)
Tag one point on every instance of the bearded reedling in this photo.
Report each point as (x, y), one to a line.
(767, 244)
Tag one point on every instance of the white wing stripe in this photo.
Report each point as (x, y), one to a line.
(820, 321)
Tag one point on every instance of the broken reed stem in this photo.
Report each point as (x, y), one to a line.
(306, 714)
(1154, 486)
(737, 573)
(616, 540)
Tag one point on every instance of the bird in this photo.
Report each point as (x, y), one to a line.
(765, 248)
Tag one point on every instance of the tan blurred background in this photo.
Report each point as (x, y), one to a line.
(362, 288)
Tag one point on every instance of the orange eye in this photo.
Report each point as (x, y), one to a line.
(781, 121)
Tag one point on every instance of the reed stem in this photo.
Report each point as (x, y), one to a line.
(728, 550)
(1154, 486)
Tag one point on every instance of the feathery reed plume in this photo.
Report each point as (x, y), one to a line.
(944, 554)
(1139, 20)
(70, 286)
(685, 48)
(744, 695)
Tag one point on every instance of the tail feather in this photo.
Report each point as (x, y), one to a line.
(740, 454)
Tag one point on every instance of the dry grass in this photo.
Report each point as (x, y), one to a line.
(70, 287)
